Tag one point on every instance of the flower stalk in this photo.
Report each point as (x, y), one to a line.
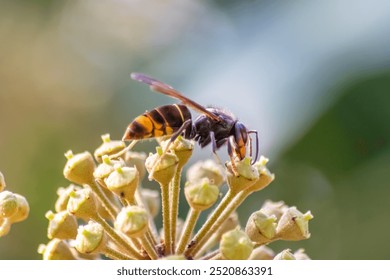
(107, 194)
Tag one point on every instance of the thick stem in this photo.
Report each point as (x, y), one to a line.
(199, 237)
(119, 240)
(149, 248)
(175, 190)
(166, 218)
(115, 255)
(97, 189)
(232, 205)
(189, 225)
(136, 243)
(150, 236)
(152, 232)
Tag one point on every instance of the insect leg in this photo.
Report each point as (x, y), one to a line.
(166, 149)
(257, 145)
(128, 148)
(214, 147)
(221, 142)
(181, 129)
(231, 156)
(250, 147)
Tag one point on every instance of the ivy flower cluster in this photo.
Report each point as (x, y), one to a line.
(14, 208)
(106, 212)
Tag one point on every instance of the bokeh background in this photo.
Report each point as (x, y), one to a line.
(313, 77)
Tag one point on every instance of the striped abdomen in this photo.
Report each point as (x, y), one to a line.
(161, 121)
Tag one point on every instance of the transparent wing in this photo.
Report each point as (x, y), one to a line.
(163, 88)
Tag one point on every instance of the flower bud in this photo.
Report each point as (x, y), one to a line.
(206, 169)
(2, 182)
(265, 178)
(132, 220)
(79, 168)
(5, 226)
(247, 175)
(262, 253)
(181, 147)
(285, 255)
(152, 201)
(261, 228)
(137, 160)
(62, 225)
(201, 195)
(90, 238)
(274, 208)
(104, 169)
(301, 255)
(8, 204)
(236, 245)
(123, 182)
(82, 204)
(56, 249)
(108, 147)
(63, 197)
(165, 169)
(23, 209)
(293, 225)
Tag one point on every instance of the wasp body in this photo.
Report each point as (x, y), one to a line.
(161, 121)
(213, 125)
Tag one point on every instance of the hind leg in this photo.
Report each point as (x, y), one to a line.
(166, 149)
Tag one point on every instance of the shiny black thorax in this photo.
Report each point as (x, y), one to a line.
(203, 127)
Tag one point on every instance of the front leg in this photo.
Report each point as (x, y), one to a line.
(231, 156)
(214, 147)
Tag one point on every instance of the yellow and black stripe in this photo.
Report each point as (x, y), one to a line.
(161, 121)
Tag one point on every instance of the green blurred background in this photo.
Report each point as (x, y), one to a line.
(313, 77)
